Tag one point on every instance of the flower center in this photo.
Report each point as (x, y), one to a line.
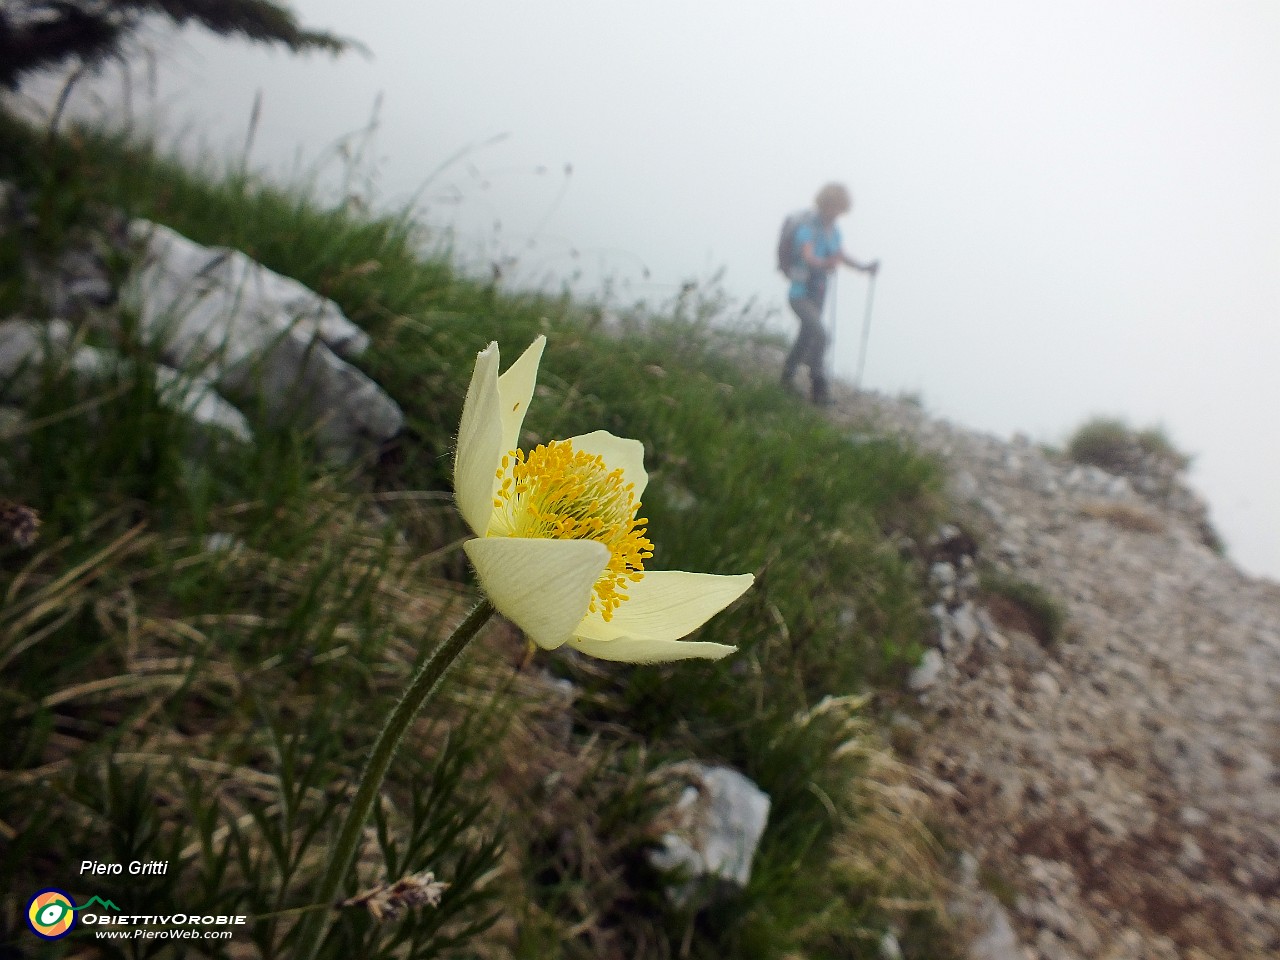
(555, 492)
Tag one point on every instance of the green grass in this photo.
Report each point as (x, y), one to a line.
(171, 697)
(1023, 605)
(1110, 443)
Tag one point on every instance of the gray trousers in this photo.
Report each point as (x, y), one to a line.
(810, 345)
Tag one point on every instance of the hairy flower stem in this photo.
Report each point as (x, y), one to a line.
(423, 688)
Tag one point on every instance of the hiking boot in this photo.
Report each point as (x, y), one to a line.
(788, 383)
(821, 395)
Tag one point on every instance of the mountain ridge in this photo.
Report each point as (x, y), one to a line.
(1120, 785)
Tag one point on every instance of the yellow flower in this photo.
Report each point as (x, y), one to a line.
(559, 546)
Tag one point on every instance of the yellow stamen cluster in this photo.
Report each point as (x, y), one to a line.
(559, 493)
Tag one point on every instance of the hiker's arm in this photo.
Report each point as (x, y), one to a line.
(825, 264)
(872, 266)
(814, 261)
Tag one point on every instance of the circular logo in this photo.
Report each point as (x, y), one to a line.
(51, 914)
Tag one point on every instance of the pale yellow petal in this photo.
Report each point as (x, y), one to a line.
(479, 449)
(626, 650)
(617, 452)
(666, 605)
(515, 388)
(542, 586)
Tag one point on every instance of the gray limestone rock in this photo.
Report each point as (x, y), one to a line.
(25, 346)
(927, 673)
(718, 822)
(996, 939)
(965, 623)
(259, 335)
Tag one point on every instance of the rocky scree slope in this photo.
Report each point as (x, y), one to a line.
(1119, 786)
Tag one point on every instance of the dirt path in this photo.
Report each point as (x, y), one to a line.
(1120, 788)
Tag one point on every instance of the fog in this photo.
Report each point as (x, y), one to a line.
(1076, 207)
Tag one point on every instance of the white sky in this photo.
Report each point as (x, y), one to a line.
(1077, 206)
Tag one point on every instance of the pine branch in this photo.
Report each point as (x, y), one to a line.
(259, 20)
(37, 34)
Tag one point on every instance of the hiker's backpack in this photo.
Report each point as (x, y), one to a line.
(788, 253)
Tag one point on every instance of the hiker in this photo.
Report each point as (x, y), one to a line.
(815, 251)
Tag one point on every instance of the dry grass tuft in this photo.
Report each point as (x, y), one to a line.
(1126, 516)
(158, 677)
(888, 851)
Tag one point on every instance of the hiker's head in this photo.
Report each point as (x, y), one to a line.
(833, 201)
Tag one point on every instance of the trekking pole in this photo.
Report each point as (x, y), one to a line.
(828, 361)
(866, 332)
